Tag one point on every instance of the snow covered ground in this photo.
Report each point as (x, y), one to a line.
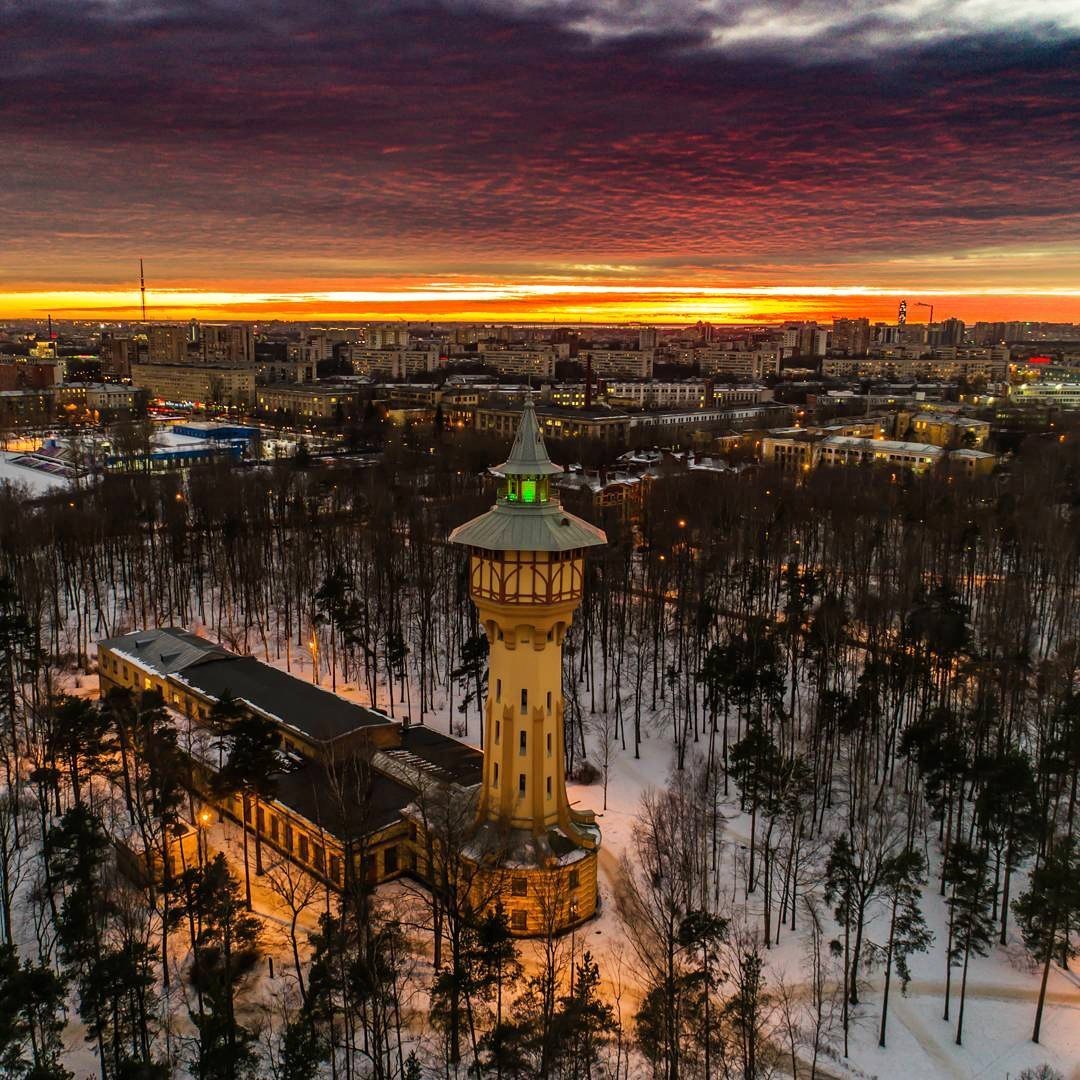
(1002, 987)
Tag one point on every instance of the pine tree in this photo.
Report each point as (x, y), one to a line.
(226, 946)
(31, 1019)
(700, 933)
(584, 1024)
(908, 933)
(971, 925)
(1046, 910)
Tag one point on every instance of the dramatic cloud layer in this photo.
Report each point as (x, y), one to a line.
(319, 145)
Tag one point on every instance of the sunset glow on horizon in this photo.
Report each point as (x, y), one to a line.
(539, 161)
(540, 303)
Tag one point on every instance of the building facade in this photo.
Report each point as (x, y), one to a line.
(190, 384)
(526, 575)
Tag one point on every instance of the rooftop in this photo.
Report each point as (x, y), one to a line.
(212, 670)
(352, 802)
(291, 702)
(166, 650)
(883, 445)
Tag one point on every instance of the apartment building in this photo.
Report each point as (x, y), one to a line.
(186, 384)
(391, 363)
(746, 363)
(629, 363)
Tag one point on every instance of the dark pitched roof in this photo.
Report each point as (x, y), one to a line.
(372, 800)
(458, 762)
(290, 702)
(166, 650)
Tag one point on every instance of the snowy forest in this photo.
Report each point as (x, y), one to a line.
(830, 725)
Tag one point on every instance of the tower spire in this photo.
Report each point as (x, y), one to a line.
(528, 455)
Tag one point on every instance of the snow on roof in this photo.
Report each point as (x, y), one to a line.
(883, 444)
(35, 480)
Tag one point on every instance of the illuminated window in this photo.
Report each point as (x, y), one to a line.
(528, 491)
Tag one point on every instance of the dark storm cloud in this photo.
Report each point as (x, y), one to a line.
(525, 131)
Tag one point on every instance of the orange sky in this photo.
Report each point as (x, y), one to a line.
(510, 301)
(540, 160)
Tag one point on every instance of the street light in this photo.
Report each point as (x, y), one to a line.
(203, 819)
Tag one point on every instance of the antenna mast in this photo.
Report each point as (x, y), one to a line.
(142, 289)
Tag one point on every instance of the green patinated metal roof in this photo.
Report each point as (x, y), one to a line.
(528, 455)
(528, 526)
(541, 527)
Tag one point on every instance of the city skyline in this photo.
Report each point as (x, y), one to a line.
(532, 161)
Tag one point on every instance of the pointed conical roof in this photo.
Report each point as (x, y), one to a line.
(528, 526)
(528, 455)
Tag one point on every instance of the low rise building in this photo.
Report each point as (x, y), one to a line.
(699, 393)
(602, 424)
(914, 362)
(332, 402)
(972, 463)
(347, 773)
(1062, 394)
(102, 399)
(25, 373)
(845, 450)
(792, 451)
(940, 429)
(767, 415)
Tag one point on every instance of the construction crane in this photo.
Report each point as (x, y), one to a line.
(919, 303)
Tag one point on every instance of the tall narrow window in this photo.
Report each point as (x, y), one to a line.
(524, 702)
(498, 689)
(549, 701)
(498, 728)
(549, 744)
(522, 741)
(495, 779)
(521, 783)
(549, 787)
